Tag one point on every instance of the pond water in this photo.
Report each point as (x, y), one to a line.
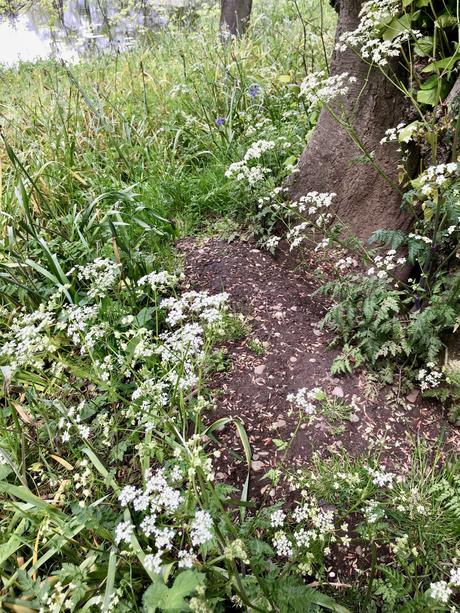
(72, 28)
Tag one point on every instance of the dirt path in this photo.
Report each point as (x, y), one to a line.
(284, 319)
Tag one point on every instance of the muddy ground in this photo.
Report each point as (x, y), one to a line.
(285, 350)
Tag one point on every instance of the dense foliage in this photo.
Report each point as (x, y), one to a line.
(109, 497)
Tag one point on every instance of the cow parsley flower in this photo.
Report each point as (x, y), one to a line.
(28, 339)
(159, 281)
(152, 562)
(455, 577)
(384, 265)
(366, 38)
(282, 544)
(277, 518)
(304, 400)
(429, 377)
(317, 89)
(123, 532)
(381, 477)
(440, 591)
(186, 558)
(200, 532)
(101, 275)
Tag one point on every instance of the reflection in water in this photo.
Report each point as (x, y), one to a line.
(76, 27)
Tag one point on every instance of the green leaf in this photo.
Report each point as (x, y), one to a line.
(398, 25)
(424, 46)
(110, 583)
(159, 597)
(446, 21)
(247, 452)
(22, 493)
(144, 316)
(441, 65)
(327, 602)
(405, 135)
(154, 597)
(10, 547)
(428, 96)
(280, 444)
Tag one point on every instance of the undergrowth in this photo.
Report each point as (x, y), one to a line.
(107, 440)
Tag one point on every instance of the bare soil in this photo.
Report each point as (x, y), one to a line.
(284, 316)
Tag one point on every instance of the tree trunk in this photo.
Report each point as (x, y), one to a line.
(365, 201)
(234, 16)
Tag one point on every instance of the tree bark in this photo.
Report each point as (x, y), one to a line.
(234, 16)
(365, 201)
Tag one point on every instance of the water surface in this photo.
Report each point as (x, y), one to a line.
(75, 27)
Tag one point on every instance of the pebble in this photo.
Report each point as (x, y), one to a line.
(257, 466)
(412, 397)
(258, 370)
(354, 418)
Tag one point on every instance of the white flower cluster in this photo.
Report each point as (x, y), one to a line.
(437, 176)
(305, 399)
(381, 477)
(160, 503)
(418, 237)
(296, 235)
(429, 377)
(314, 525)
(373, 511)
(380, 51)
(443, 590)
(101, 275)
(77, 321)
(72, 421)
(313, 202)
(366, 39)
(257, 149)
(182, 349)
(383, 265)
(453, 228)
(282, 544)
(277, 518)
(28, 339)
(200, 305)
(392, 134)
(159, 281)
(318, 89)
(346, 263)
(201, 529)
(316, 205)
(244, 171)
(154, 390)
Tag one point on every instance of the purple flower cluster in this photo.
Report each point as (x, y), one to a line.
(254, 90)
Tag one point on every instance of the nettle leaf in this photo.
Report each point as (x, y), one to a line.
(432, 91)
(446, 20)
(398, 25)
(155, 597)
(446, 63)
(158, 597)
(424, 46)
